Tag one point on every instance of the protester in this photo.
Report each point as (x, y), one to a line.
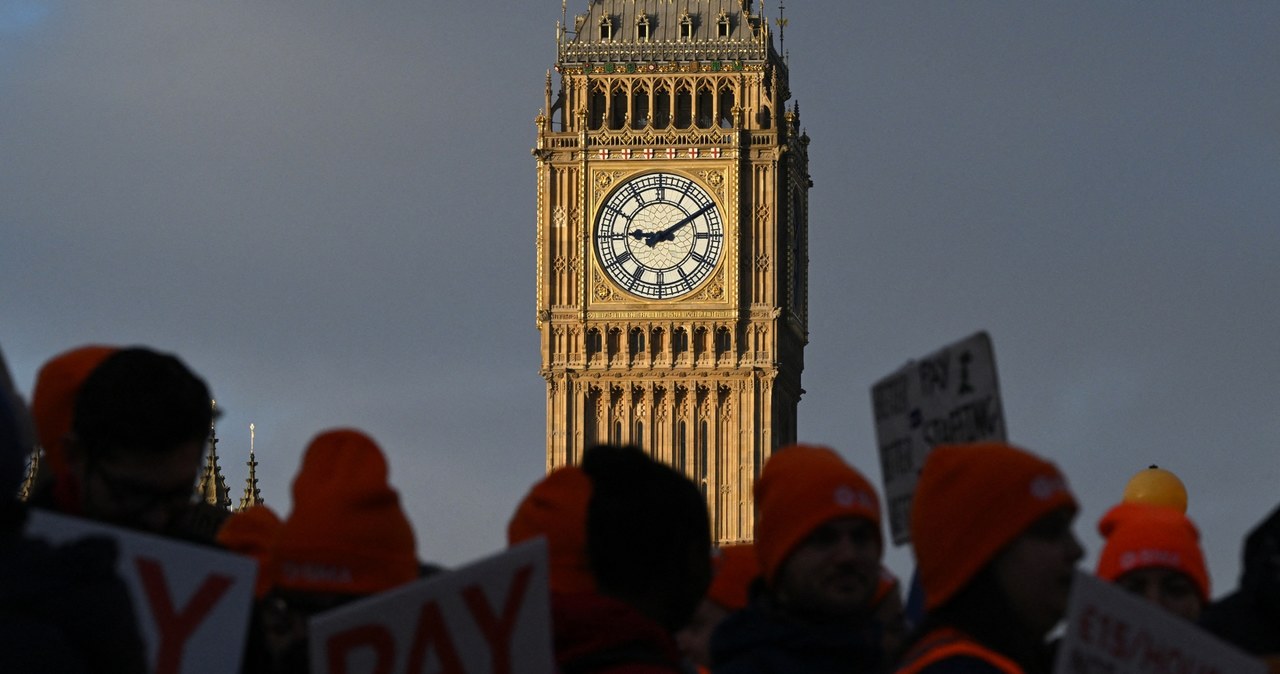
(53, 403)
(734, 569)
(819, 543)
(252, 532)
(62, 608)
(1154, 552)
(1250, 616)
(138, 431)
(629, 544)
(346, 537)
(991, 528)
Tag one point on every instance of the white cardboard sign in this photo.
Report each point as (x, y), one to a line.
(192, 602)
(1110, 631)
(952, 395)
(493, 615)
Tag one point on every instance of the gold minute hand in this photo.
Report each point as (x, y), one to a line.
(668, 234)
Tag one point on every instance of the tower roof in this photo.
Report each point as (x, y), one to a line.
(252, 495)
(665, 30)
(213, 488)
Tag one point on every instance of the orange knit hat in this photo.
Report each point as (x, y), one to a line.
(735, 567)
(53, 404)
(556, 507)
(970, 502)
(347, 532)
(252, 532)
(1141, 536)
(801, 488)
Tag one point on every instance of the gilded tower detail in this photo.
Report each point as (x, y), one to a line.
(672, 261)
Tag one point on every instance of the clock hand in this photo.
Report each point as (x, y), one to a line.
(668, 234)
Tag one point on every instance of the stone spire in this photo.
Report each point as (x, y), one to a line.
(252, 496)
(213, 488)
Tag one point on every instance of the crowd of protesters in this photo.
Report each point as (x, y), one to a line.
(635, 584)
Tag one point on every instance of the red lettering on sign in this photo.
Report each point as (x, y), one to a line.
(497, 630)
(176, 626)
(432, 632)
(376, 637)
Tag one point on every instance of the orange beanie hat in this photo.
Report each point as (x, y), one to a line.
(735, 568)
(53, 404)
(252, 532)
(970, 502)
(556, 508)
(347, 533)
(801, 488)
(1141, 536)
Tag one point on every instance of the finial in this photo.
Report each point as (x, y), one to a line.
(782, 28)
(251, 439)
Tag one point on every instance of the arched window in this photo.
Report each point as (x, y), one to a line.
(618, 109)
(722, 25)
(706, 107)
(724, 341)
(606, 28)
(640, 109)
(595, 109)
(725, 114)
(594, 342)
(638, 440)
(686, 27)
(684, 108)
(679, 341)
(637, 341)
(642, 28)
(662, 109)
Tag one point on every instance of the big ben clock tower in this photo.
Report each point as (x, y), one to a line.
(672, 243)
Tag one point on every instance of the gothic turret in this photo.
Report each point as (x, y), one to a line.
(213, 488)
(252, 495)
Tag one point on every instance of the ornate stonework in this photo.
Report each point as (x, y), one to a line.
(706, 378)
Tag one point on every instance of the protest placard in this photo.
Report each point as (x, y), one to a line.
(492, 616)
(1111, 631)
(192, 602)
(952, 395)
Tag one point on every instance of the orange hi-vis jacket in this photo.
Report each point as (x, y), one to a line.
(944, 643)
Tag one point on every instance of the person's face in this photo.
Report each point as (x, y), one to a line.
(1173, 590)
(694, 639)
(1036, 569)
(140, 490)
(833, 573)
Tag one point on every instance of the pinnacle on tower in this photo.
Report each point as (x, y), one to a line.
(33, 469)
(213, 488)
(252, 495)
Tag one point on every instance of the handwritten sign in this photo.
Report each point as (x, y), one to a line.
(491, 616)
(192, 602)
(949, 396)
(1110, 631)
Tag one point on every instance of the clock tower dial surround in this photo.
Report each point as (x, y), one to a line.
(672, 244)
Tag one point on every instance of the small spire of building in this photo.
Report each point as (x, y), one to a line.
(252, 496)
(213, 488)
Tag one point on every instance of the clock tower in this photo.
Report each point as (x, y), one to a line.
(672, 243)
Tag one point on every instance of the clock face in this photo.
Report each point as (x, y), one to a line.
(659, 236)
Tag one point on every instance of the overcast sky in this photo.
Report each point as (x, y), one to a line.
(326, 207)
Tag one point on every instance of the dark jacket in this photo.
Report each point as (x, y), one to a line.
(595, 634)
(1250, 616)
(760, 640)
(64, 609)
